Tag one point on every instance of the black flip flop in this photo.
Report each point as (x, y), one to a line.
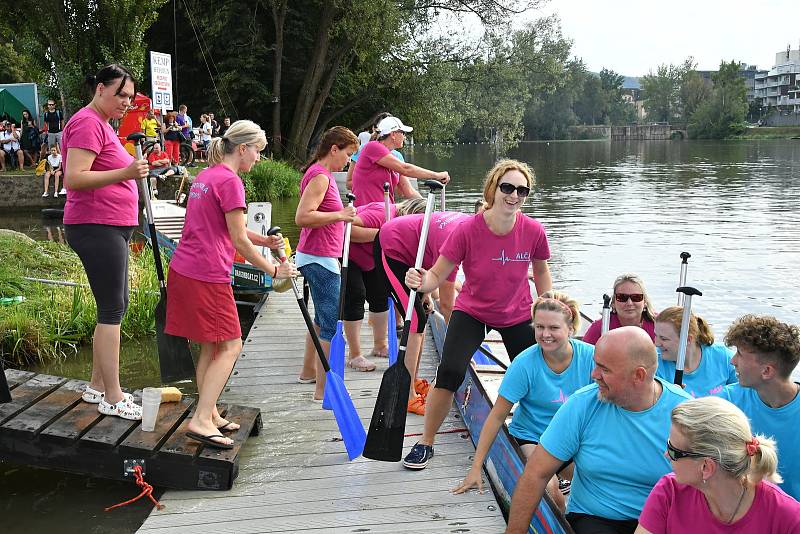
(206, 440)
(224, 428)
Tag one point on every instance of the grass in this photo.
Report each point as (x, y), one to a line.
(271, 180)
(770, 132)
(54, 320)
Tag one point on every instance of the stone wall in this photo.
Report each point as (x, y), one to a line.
(25, 191)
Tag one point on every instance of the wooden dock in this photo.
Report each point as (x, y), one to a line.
(295, 476)
(48, 425)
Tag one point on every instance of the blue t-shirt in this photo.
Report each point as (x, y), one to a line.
(395, 153)
(714, 372)
(618, 454)
(539, 391)
(781, 424)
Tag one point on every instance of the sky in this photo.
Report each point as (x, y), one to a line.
(633, 38)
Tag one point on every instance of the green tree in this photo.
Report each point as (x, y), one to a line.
(662, 91)
(694, 91)
(550, 114)
(722, 115)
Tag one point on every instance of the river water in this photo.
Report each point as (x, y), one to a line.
(608, 208)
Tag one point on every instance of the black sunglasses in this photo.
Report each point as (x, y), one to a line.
(623, 297)
(506, 188)
(676, 454)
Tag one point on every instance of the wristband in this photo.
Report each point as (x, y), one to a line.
(276, 271)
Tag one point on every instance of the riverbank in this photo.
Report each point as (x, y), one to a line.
(771, 132)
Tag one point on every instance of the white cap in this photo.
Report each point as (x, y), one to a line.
(392, 124)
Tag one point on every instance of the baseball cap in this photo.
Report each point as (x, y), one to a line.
(392, 124)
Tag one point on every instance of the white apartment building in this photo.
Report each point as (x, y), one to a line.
(780, 86)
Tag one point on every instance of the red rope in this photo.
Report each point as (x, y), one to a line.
(451, 431)
(147, 489)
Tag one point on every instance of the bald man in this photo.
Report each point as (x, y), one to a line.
(615, 431)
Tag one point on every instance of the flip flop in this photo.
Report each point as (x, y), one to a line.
(301, 380)
(207, 440)
(226, 427)
(360, 363)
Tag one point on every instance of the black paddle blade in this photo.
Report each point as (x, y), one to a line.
(388, 424)
(174, 356)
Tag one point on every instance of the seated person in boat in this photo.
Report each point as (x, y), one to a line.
(614, 431)
(630, 306)
(723, 477)
(540, 379)
(494, 247)
(365, 281)
(707, 367)
(397, 245)
(767, 351)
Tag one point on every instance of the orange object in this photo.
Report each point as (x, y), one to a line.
(147, 490)
(422, 386)
(238, 258)
(417, 405)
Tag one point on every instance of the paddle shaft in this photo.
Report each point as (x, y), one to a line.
(348, 228)
(386, 209)
(606, 314)
(684, 336)
(682, 278)
(151, 226)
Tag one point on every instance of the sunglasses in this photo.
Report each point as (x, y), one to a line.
(506, 188)
(676, 454)
(623, 297)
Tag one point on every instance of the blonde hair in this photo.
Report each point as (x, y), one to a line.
(498, 171)
(242, 132)
(698, 327)
(647, 313)
(411, 206)
(558, 301)
(719, 430)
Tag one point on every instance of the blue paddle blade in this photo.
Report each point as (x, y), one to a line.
(350, 427)
(336, 361)
(480, 358)
(392, 331)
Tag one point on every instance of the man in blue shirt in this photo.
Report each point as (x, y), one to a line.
(615, 430)
(767, 351)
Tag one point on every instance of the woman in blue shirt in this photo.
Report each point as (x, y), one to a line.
(707, 368)
(540, 379)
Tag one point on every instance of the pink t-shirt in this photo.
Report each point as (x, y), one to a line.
(496, 290)
(369, 177)
(400, 237)
(205, 251)
(596, 328)
(115, 204)
(373, 215)
(672, 507)
(325, 241)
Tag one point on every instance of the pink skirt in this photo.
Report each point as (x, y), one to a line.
(204, 312)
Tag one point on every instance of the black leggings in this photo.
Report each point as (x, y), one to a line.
(464, 335)
(362, 286)
(592, 524)
(103, 251)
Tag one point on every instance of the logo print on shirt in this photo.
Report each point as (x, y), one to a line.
(561, 397)
(519, 256)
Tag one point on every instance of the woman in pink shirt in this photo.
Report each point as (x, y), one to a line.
(322, 218)
(201, 305)
(377, 165)
(723, 477)
(630, 306)
(495, 247)
(99, 218)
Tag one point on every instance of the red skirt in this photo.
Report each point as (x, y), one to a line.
(204, 312)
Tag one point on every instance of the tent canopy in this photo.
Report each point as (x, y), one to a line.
(11, 106)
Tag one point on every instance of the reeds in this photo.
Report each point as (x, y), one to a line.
(271, 180)
(53, 320)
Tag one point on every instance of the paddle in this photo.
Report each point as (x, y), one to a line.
(606, 314)
(388, 424)
(387, 211)
(5, 392)
(682, 279)
(174, 356)
(688, 292)
(391, 321)
(443, 208)
(347, 420)
(336, 357)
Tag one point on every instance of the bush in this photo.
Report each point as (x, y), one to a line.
(271, 180)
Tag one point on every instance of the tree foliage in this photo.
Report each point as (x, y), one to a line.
(723, 114)
(662, 91)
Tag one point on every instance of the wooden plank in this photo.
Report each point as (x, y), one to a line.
(47, 409)
(179, 447)
(26, 394)
(170, 415)
(249, 419)
(73, 424)
(15, 377)
(110, 430)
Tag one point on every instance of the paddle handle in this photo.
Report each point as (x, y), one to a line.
(387, 210)
(688, 292)
(682, 277)
(444, 204)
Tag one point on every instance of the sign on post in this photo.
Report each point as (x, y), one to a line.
(161, 80)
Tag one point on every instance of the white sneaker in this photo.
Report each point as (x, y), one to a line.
(55, 195)
(62, 192)
(126, 409)
(45, 194)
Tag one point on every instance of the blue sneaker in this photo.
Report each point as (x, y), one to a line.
(419, 456)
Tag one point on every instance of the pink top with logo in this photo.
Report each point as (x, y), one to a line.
(114, 204)
(496, 290)
(369, 177)
(326, 240)
(373, 215)
(205, 251)
(400, 237)
(672, 506)
(595, 330)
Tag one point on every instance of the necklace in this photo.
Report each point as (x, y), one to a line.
(741, 498)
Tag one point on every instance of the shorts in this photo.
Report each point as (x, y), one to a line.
(324, 286)
(204, 312)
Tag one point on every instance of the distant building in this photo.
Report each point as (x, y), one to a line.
(632, 94)
(778, 87)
